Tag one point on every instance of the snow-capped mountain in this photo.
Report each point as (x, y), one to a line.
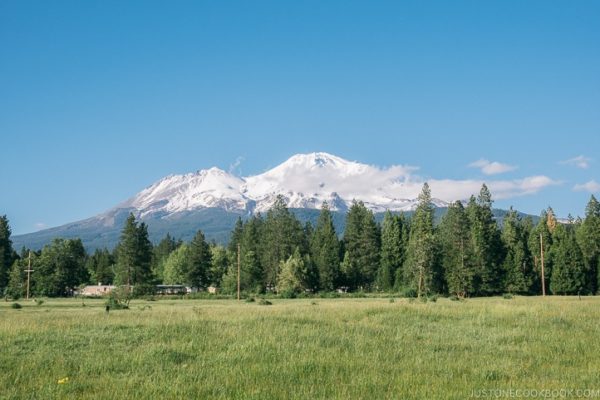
(305, 180)
(212, 200)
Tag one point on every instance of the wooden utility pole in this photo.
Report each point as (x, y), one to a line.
(238, 274)
(29, 271)
(542, 259)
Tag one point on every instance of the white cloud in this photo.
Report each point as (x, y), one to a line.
(451, 190)
(235, 166)
(492, 167)
(581, 161)
(591, 186)
(40, 225)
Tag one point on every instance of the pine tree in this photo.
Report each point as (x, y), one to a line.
(6, 251)
(568, 273)
(517, 266)
(236, 236)
(420, 264)
(200, 259)
(17, 280)
(588, 237)
(457, 259)
(134, 254)
(100, 267)
(486, 244)
(160, 253)
(392, 251)
(361, 242)
(281, 234)
(325, 251)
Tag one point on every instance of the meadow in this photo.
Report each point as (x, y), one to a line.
(371, 348)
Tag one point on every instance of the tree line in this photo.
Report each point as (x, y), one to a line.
(467, 254)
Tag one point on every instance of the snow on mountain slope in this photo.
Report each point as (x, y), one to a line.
(305, 180)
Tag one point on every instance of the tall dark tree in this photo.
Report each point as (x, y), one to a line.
(361, 242)
(6, 251)
(236, 236)
(568, 272)
(325, 250)
(517, 266)
(134, 254)
(219, 265)
(420, 267)
(457, 251)
(486, 243)
(588, 237)
(200, 259)
(281, 234)
(392, 250)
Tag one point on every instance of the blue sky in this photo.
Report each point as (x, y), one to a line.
(99, 99)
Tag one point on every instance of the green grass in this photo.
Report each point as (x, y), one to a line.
(308, 348)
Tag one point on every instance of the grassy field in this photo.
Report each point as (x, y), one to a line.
(298, 349)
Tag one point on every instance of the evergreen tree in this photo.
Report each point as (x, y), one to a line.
(134, 254)
(200, 261)
(100, 267)
(588, 237)
(392, 251)
(486, 244)
(236, 236)
(568, 272)
(17, 280)
(160, 253)
(420, 264)
(517, 266)
(457, 259)
(361, 242)
(281, 234)
(6, 251)
(325, 251)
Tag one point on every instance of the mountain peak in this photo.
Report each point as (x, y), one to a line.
(305, 180)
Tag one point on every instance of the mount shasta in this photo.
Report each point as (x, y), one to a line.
(213, 199)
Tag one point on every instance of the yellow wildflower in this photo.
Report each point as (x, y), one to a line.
(63, 380)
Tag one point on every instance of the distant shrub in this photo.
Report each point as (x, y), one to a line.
(433, 298)
(16, 306)
(454, 298)
(118, 299)
(409, 293)
(264, 302)
(392, 300)
(313, 303)
(507, 296)
(250, 300)
(39, 302)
